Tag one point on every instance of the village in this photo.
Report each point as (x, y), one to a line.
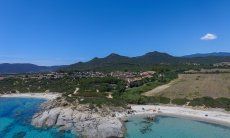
(127, 76)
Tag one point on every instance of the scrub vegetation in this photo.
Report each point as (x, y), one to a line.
(118, 92)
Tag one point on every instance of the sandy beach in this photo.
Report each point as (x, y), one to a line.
(209, 115)
(48, 96)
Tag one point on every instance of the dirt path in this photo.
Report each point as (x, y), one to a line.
(159, 88)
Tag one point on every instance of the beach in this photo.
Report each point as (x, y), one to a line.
(208, 115)
(104, 123)
(48, 96)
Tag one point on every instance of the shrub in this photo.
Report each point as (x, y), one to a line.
(223, 103)
(164, 100)
(180, 101)
(207, 101)
(142, 100)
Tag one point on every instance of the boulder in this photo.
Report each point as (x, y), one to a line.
(81, 120)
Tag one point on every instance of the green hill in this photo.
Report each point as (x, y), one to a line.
(115, 62)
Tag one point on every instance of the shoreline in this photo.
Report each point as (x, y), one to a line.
(47, 96)
(209, 116)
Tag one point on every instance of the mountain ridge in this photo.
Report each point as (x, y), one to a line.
(16, 68)
(222, 54)
(118, 62)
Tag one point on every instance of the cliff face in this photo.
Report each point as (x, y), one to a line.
(91, 123)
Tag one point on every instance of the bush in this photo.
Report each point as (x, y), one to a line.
(180, 101)
(164, 100)
(210, 102)
(157, 100)
(223, 103)
(207, 101)
(142, 100)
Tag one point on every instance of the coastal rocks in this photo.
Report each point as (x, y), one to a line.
(150, 117)
(19, 134)
(53, 115)
(80, 119)
(100, 127)
(112, 127)
(59, 102)
(39, 120)
(65, 119)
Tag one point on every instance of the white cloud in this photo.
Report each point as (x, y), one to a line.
(209, 36)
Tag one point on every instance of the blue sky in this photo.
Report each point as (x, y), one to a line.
(54, 32)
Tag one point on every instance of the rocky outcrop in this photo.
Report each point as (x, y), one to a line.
(91, 123)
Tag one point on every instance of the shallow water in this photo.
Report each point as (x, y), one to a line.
(172, 127)
(16, 114)
(15, 118)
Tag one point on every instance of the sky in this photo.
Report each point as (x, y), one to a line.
(57, 32)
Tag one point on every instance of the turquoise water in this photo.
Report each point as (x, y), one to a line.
(16, 114)
(15, 118)
(171, 127)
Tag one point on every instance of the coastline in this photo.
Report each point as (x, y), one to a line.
(209, 115)
(47, 96)
(104, 122)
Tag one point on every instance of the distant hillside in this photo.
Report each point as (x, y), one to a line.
(114, 62)
(111, 62)
(155, 58)
(216, 54)
(118, 62)
(7, 68)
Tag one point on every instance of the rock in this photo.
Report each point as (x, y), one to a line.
(113, 115)
(53, 116)
(21, 134)
(65, 119)
(39, 120)
(110, 128)
(150, 118)
(124, 119)
(82, 120)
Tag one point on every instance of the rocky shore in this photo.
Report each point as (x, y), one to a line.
(85, 120)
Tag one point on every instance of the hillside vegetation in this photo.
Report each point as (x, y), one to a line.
(18, 68)
(115, 62)
(211, 89)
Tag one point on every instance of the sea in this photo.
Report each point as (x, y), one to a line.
(15, 120)
(16, 115)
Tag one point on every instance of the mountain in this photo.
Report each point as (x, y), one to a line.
(117, 62)
(111, 62)
(7, 68)
(215, 54)
(155, 58)
(114, 62)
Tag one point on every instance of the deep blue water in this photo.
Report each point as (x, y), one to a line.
(172, 127)
(15, 119)
(16, 114)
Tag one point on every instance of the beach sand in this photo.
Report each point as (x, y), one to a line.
(209, 115)
(48, 96)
